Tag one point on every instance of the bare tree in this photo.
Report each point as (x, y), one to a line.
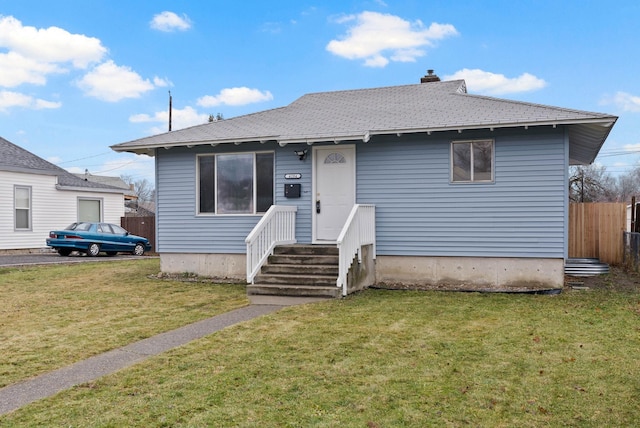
(592, 183)
(143, 189)
(215, 118)
(628, 185)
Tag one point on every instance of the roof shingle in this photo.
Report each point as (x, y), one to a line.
(16, 159)
(361, 113)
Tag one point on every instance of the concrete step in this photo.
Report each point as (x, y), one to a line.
(298, 290)
(302, 259)
(298, 269)
(293, 280)
(303, 249)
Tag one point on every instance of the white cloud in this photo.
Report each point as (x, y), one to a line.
(54, 159)
(9, 99)
(14, 99)
(18, 69)
(376, 61)
(28, 55)
(49, 45)
(235, 97)
(169, 21)
(110, 82)
(32, 54)
(625, 101)
(42, 104)
(377, 38)
(180, 118)
(488, 83)
(161, 83)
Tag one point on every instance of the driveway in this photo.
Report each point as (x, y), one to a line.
(46, 258)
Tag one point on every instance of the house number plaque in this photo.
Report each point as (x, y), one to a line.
(293, 176)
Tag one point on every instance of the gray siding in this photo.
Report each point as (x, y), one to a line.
(419, 212)
(181, 229)
(287, 162)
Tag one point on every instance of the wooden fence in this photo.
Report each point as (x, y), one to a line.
(596, 231)
(141, 226)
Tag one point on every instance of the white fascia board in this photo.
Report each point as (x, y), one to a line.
(145, 147)
(309, 140)
(604, 122)
(88, 189)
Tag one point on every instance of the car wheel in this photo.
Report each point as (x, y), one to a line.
(111, 253)
(138, 250)
(64, 252)
(93, 250)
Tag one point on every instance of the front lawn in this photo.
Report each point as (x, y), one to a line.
(53, 316)
(385, 359)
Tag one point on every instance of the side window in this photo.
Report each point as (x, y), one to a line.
(82, 226)
(22, 207)
(118, 230)
(105, 228)
(472, 161)
(89, 209)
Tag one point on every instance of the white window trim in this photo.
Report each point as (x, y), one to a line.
(100, 200)
(215, 184)
(29, 209)
(472, 181)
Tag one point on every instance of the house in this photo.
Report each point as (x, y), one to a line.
(457, 190)
(37, 196)
(133, 207)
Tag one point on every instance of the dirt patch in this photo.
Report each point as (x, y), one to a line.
(618, 279)
(530, 288)
(192, 277)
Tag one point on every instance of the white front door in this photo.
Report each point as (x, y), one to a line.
(335, 189)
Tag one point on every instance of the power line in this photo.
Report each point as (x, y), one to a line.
(88, 157)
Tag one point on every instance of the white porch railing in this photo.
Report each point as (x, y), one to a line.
(359, 230)
(277, 226)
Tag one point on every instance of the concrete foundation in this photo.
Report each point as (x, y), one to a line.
(401, 272)
(470, 273)
(362, 274)
(232, 267)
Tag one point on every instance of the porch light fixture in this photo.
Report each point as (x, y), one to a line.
(302, 154)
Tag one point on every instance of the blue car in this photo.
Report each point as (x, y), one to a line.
(92, 238)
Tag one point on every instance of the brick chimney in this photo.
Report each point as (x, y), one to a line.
(429, 77)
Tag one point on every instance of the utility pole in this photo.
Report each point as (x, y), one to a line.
(170, 110)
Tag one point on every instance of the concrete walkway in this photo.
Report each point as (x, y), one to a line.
(14, 396)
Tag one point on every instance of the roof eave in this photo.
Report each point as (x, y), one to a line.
(606, 122)
(63, 187)
(591, 141)
(148, 149)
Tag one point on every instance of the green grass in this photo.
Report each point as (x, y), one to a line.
(56, 315)
(385, 359)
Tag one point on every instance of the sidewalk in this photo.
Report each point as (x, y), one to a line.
(14, 396)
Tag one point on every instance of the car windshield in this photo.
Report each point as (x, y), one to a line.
(79, 226)
(118, 230)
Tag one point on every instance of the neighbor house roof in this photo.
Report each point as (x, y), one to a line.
(118, 182)
(16, 159)
(364, 113)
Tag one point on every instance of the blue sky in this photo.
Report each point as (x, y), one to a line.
(77, 76)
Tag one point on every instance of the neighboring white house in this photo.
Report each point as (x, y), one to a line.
(37, 196)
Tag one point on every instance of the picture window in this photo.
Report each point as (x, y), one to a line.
(235, 183)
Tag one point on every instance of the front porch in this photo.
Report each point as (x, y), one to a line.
(278, 266)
